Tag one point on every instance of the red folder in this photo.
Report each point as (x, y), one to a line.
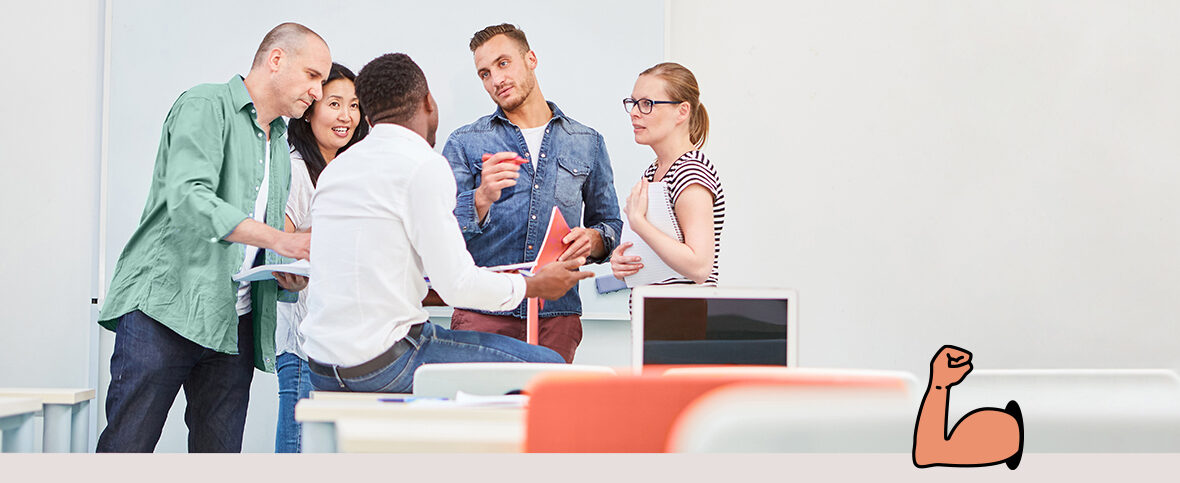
(551, 248)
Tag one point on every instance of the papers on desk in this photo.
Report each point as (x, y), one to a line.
(504, 401)
(465, 400)
(263, 272)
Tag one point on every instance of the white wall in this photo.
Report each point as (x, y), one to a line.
(997, 175)
(49, 147)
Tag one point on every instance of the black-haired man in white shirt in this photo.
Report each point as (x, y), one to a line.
(383, 213)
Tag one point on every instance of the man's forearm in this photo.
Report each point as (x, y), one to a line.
(481, 207)
(255, 233)
(606, 243)
(598, 249)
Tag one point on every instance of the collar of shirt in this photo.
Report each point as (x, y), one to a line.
(240, 97)
(390, 130)
(557, 114)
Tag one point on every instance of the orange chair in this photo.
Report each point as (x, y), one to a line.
(634, 414)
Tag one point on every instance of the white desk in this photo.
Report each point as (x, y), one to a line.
(370, 426)
(429, 436)
(16, 422)
(67, 416)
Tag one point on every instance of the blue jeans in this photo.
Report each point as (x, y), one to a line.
(151, 363)
(294, 385)
(436, 345)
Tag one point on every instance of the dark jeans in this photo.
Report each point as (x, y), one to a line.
(562, 333)
(151, 363)
(436, 345)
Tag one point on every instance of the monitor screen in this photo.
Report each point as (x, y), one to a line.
(707, 325)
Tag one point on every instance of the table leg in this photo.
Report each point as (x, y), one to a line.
(80, 428)
(56, 437)
(319, 437)
(18, 433)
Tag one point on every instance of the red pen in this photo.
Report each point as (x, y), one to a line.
(517, 160)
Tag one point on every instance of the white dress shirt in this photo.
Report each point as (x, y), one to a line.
(383, 220)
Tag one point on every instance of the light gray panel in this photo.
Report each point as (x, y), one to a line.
(1002, 176)
(49, 130)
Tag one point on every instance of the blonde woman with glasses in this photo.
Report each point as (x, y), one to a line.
(667, 115)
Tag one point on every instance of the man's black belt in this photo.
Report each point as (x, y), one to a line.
(377, 363)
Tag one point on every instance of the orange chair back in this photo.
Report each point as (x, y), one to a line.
(629, 414)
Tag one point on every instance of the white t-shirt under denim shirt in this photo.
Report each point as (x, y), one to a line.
(299, 211)
(384, 219)
(533, 137)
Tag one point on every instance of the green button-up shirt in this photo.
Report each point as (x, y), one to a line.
(177, 267)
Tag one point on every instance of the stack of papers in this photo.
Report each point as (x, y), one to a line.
(465, 400)
(264, 272)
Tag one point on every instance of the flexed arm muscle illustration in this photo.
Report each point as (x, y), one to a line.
(984, 437)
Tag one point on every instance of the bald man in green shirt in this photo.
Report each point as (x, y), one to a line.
(215, 207)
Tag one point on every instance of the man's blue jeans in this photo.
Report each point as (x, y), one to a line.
(294, 384)
(437, 345)
(149, 366)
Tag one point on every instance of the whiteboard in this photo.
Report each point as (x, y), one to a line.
(589, 55)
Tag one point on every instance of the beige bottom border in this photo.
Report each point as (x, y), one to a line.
(565, 468)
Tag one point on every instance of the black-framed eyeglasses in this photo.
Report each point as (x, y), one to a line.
(645, 105)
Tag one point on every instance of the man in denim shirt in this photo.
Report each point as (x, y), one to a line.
(503, 208)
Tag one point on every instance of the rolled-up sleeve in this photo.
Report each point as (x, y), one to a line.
(465, 183)
(602, 203)
(195, 158)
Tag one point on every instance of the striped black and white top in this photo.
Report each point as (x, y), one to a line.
(694, 168)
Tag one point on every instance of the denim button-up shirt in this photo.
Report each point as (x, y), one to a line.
(573, 173)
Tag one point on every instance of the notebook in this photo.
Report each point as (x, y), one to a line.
(265, 272)
(661, 216)
(552, 247)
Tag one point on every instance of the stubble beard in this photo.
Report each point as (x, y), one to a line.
(526, 90)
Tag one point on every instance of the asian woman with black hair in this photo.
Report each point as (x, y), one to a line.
(327, 128)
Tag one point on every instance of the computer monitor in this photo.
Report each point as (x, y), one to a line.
(690, 324)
